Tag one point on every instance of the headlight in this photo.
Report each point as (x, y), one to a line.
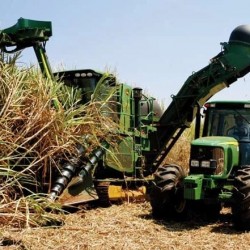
(194, 163)
(205, 164)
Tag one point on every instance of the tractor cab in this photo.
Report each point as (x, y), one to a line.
(230, 119)
(83, 80)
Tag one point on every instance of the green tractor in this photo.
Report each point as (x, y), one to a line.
(220, 160)
(219, 168)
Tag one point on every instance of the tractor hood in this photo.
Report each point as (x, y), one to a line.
(220, 141)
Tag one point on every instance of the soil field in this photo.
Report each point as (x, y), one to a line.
(126, 226)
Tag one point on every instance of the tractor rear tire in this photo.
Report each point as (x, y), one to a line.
(166, 197)
(241, 195)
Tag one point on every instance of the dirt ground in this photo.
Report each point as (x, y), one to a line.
(126, 226)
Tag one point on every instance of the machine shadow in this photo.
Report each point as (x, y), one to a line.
(222, 225)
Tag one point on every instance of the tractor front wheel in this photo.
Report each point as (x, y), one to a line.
(166, 197)
(241, 195)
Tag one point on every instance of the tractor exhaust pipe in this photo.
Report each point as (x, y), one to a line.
(137, 92)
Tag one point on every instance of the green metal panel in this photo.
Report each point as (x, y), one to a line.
(209, 183)
(125, 113)
(29, 33)
(25, 32)
(193, 187)
(122, 157)
(230, 147)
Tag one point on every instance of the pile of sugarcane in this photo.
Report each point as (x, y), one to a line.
(41, 122)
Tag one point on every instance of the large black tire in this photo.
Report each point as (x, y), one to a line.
(166, 197)
(241, 195)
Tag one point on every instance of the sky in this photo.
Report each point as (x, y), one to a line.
(152, 44)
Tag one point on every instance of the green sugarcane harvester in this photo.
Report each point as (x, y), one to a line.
(219, 162)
